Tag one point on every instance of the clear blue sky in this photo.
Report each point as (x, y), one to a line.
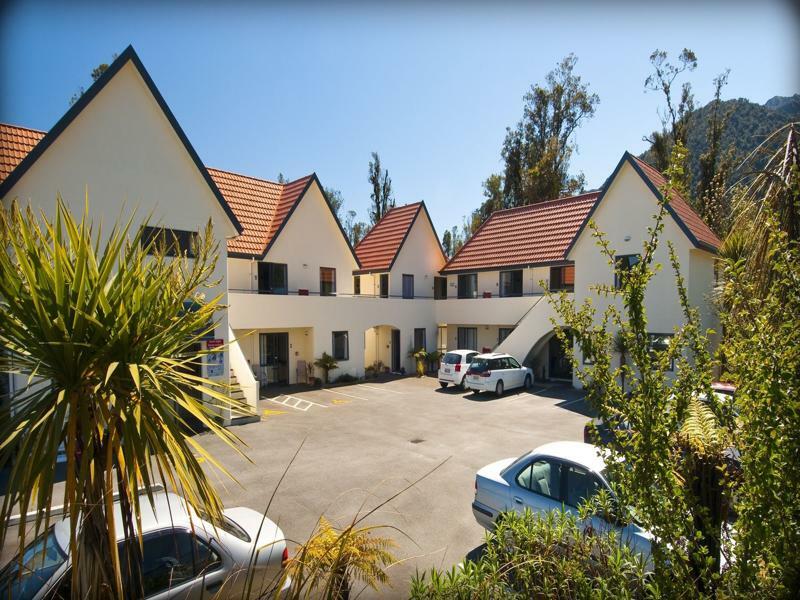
(311, 87)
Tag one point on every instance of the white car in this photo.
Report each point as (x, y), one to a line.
(554, 476)
(212, 562)
(453, 367)
(497, 373)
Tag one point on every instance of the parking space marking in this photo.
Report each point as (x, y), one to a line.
(372, 387)
(343, 394)
(296, 403)
(340, 401)
(271, 413)
(571, 401)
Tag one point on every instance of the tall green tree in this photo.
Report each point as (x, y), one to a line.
(537, 151)
(104, 329)
(381, 196)
(336, 201)
(353, 228)
(679, 107)
(447, 243)
(716, 165)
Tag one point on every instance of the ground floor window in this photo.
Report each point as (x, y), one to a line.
(341, 345)
(419, 339)
(503, 333)
(659, 343)
(441, 342)
(467, 338)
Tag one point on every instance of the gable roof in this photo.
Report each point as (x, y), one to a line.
(536, 234)
(689, 221)
(699, 234)
(128, 55)
(15, 144)
(264, 207)
(379, 249)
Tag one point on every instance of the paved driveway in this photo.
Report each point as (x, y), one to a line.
(363, 443)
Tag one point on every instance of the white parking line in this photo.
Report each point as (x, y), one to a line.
(343, 394)
(300, 404)
(381, 389)
(572, 401)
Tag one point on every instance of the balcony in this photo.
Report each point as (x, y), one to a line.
(301, 308)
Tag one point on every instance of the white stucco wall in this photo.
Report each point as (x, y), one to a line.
(124, 153)
(311, 239)
(626, 211)
(420, 256)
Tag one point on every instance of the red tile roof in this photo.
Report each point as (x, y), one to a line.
(379, 248)
(261, 207)
(683, 213)
(534, 234)
(15, 144)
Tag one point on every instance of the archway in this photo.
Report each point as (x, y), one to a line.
(549, 359)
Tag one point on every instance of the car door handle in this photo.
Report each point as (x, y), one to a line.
(213, 587)
(517, 499)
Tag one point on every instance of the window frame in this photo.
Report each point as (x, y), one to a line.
(559, 284)
(182, 239)
(514, 274)
(383, 290)
(408, 277)
(465, 330)
(508, 331)
(565, 466)
(439, 282)
(651, 337)
(346, 345)
(424, 345)
(332, 291)
(462, 295)
(619, 272)
(269, 268)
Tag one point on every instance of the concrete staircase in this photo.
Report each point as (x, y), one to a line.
(249, 414)
(529, 330)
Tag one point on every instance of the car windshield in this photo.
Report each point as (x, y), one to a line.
(479, 365)
(451, 358)
(40, 560)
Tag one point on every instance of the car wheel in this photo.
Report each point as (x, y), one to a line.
(442, 384)
(527, 382)
(498, 390)
(463, 385)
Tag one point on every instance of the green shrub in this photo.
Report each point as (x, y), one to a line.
(541, 556)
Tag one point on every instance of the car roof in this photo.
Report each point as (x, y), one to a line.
(463, 352)
(168, 510)
(494, 355)
(586, 455)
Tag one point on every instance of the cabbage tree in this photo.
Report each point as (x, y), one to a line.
(98, 327)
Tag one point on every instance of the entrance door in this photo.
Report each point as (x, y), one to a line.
(195, 367)
(560, 366)
(395, 350)
(273, 358)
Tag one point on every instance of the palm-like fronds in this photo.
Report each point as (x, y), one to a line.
(700, 431)
(104, 330)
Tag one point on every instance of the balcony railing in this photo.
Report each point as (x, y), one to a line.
(304, 292)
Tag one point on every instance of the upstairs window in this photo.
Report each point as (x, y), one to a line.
(357, 285)
(408, 286)
(622, 265)
(468, 285)
(440, 288)
(562, 278)
(272, 278)
(327, 281)
(384, 285)
(511, 283)
(173, 242)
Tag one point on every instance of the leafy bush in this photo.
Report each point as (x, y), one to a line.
(327, 363)
(346, 378)
(541, 556)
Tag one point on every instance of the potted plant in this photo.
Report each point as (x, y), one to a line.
(433, 359)
(419, 356)
(327, 363)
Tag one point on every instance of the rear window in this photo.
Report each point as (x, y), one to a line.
(451, 358)
(479, 365)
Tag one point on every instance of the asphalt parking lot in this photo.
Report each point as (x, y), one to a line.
(363, 443)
